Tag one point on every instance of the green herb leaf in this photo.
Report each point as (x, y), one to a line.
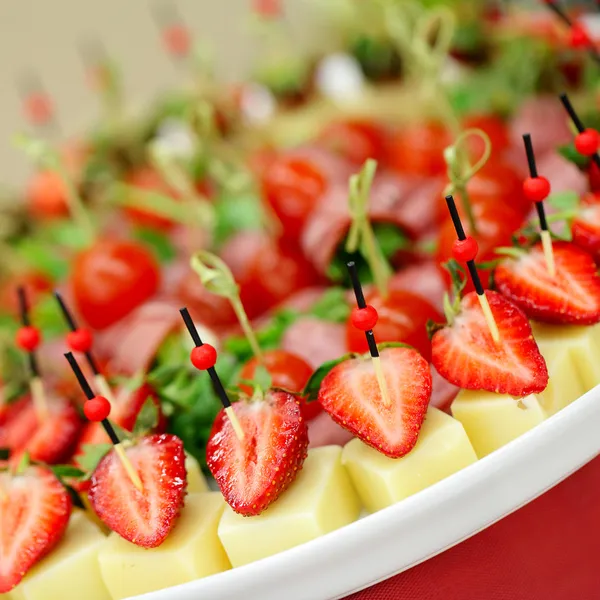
(47, 316)
(564, 201)
(570, 153)
(38, 254)
(262, 378)
(311, 390)
(130, 383)
(23, 463)
(158, 243)
(67, 471)
(237, 212)
(147, 419)
(92, 455)
(332, 306)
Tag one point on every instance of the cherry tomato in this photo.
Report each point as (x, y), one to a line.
(494, 127)
(419, 149)
(148, 180)
(292, 187)
(46, 192)
(212, 310)
(355, 139)
(287, 371)
(498, 183)
(496, 223)
(35, 285)
(110, 279)
(276, 270)
(403, 318)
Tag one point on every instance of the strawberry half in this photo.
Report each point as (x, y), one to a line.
(465, 354)
(146, 517)
(351, 395)
(572, 296)
(34, 513)
(253, 472)
(586, 230)
(124, 412)
(51, 441)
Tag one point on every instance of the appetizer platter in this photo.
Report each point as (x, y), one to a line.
(272, 329)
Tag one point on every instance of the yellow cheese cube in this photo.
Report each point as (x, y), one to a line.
(320, 500)
(442, 449)
(196, 482)
(578, 344)
(492, 420)
(70, 571)
(191, 551)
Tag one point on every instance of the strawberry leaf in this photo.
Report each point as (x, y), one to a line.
(23, 463)
(569, 152)
(147, 419)
(158, 243)
(386, 345)
(262, 378)
(458, 276)
(92, 455)
(332, 306)
(433, 327)
(122, 434)
(67, 471)
(311, 390)
(130, 383)
(563, 201)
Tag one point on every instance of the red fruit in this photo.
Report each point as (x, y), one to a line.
(494, 127)
(287, 371)
(28, 338)
(497, 183)
(203, 357)
(33, 517)
(110, 279)
(465, 354)
(124, 412)
(419, 149)
(579, 37)
(276, 270)
(254, 471)
(587, 142)
(364, 319)
(148, 180)
(572, 296)
(403, 318)
(465, 250)
(80, 340)
(177, 40)
(145, 517)
(351, 395)
(212, 310)
(536, 189)
(292, 187)
(586, 231)
(51, 440)
(38, 108)
(97, 409)
(355, 139)
(34, 284)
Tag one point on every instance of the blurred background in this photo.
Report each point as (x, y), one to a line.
(44, 38)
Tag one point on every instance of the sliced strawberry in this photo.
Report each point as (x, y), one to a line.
(34, 513)
(586, 230)
(124, 412)
(146, 517)
(253, 472)
(571, 296)
(351, 395)
(466, 355)
(51, 441)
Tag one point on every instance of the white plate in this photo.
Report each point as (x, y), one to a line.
(393, 540)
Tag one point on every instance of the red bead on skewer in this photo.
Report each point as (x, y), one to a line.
(28, 338)
(97, 409)
(465, 250)
(38, 108)
(176, 39)
(80, 340)
(579, 38)
(269, 9)
(204, 357)
(364, 318)
(536, 189)
(587, 142)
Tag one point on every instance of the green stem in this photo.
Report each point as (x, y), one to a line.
(465, 201)
(244, 322)
(376, 260)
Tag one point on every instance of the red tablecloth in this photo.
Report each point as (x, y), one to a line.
(547, 550)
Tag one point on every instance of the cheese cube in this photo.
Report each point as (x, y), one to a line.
(441, 449)
(492, 420)
(578, 344)
(196, 482)
(70, 571)
(320, 500)
(191, 551)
